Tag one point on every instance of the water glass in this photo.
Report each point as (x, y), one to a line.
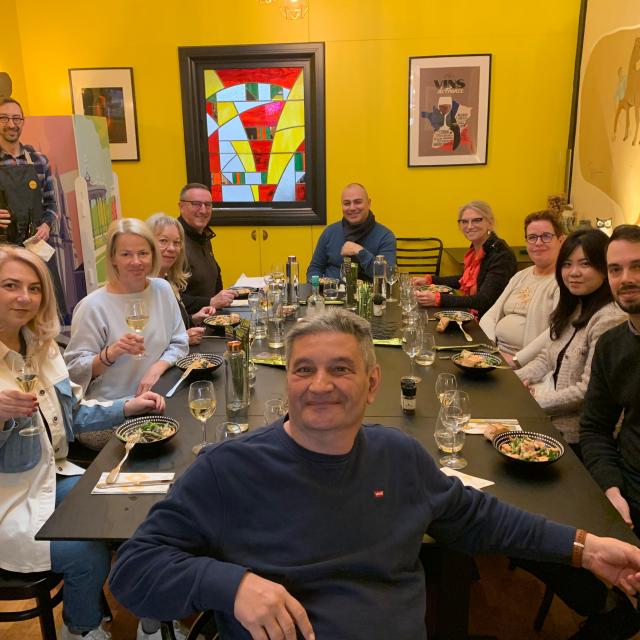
(274, 409)
(427, 354)
(227, 430)
(330, 289)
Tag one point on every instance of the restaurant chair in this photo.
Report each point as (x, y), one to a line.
(204, 627)
(24, 586)
(419, 255)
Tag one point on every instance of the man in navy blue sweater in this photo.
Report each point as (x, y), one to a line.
(357, 236)
(313, 525)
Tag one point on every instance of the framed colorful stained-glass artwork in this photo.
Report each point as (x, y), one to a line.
(254, 131)
(449, 110)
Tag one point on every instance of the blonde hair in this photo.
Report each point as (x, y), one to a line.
(45, 326)
(481, 207)
(178, 274)
(134, 227)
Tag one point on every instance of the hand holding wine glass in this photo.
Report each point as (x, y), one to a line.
(202, 405)
(137, 316)
(25, 369)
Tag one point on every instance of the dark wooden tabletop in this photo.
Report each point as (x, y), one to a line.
(563, 491)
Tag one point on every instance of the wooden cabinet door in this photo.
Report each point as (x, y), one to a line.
(277, 243)
(237, 250)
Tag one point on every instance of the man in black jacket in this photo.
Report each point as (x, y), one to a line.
(205, 284)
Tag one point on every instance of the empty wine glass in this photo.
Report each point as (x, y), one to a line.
(202, 405)
(427, 354)
(25, 369)
(391, 278)
(411, 338)
(445, 382)
(137, 316)
(455, 416)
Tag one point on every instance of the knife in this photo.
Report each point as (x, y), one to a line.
(188, 370)
(138, 483)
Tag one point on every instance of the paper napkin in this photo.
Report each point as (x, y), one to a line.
(466, 479)
(476, 426)
(134, 477)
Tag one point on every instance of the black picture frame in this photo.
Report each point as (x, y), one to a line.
(310, 56)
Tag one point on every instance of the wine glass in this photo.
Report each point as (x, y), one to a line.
(277, 272)
(445, 382)
(391, 278)
(202, 405)
(411, 338)
(444, 107)
(455, 416)
(408, 301)
(25, 369)
(137, 316)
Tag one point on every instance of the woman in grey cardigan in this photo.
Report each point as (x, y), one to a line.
(559, 375)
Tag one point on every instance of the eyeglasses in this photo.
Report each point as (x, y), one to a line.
(471, 221)
(196, 204)
(163, 243)
(15, 119)
(546, 237)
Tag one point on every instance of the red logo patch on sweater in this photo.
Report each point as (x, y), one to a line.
(378, 493)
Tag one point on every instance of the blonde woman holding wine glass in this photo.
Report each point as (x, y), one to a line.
(102, 354)
(34, 473)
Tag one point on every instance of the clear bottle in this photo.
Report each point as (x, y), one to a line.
(315, 302)
(379, 277)
(236, 385)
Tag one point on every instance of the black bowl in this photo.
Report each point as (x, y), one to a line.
(504, 438)
(129, 427)
(214, 359)
(492, 360)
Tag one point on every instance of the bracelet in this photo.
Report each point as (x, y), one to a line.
(578, 548)
(106, 356)
(106, 363)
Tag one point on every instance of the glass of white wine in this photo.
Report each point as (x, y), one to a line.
(137, 316)
(445, 382)
(202, 405)
(25, 369)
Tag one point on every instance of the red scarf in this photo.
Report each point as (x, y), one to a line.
(469, 279)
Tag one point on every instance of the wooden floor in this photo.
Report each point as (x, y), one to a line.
(503, 605)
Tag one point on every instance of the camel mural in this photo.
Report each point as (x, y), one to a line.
(630, 97)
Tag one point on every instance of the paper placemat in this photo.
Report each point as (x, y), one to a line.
(476, 426)
(273, 361)
(466, 479)
(134, 477)
(388, 342)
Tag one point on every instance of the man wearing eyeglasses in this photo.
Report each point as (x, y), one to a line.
(205, 284)
(26, 185)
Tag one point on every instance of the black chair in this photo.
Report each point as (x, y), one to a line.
(24, 586)
(204, 627)
(419, 255)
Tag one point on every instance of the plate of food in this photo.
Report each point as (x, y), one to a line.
(154, 431)
(455, 316)
(435, 288)
(528, 447)
(476, 362)
(222, 320)
(205, 362)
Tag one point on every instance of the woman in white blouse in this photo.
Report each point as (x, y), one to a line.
(100, 354)
(519, 319)
(34, 473)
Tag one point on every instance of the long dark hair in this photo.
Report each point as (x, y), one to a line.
(594, 244)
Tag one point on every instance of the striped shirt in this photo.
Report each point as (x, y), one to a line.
(41, 165)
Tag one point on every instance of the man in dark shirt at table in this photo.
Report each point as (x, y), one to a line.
(316, 521)
(204, 287)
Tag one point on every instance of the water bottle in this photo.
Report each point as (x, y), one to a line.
(315, 302)
(236, 385)
(293, 274)
(379, 277)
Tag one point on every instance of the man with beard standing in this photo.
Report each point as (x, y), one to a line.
(357, 235)
(614, 387)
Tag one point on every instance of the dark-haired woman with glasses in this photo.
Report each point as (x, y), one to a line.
(519, 319)
(559, 375)
(488, 265)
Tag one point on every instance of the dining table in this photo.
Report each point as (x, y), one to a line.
(563, 491)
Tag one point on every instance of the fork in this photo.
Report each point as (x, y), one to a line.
(115, 472)
(466, 335)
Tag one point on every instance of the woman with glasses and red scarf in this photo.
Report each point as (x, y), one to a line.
(489, 264)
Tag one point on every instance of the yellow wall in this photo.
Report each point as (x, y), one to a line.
(368, 44)
(11, 51)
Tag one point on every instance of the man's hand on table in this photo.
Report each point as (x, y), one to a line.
(222, 299)
(613, 561)
(351, 248)
(620, 504)
(268, 611)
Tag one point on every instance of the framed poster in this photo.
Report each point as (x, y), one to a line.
(254, 131)
(449, 110)
(108, 92)
(605, 133)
